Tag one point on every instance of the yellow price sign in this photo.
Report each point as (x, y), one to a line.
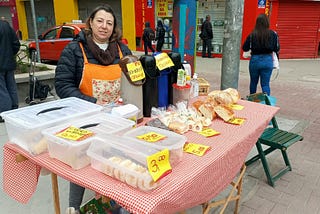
(151, 137)
(135, 71)
(163, 61)
(237, 107)
(159, 164)
(237, 121)
(208, 132)
(196, 149)
(74, 133)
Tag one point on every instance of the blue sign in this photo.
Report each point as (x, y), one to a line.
(261, 3)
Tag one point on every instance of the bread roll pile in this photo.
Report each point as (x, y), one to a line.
(218, 104)
(183, 120)
(131, 173)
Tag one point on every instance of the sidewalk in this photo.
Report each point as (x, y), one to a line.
(297, 90)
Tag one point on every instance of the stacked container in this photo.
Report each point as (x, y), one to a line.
(24, 125)
(73, 152)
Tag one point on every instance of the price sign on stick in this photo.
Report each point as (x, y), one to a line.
(196, 149)
(159, 164)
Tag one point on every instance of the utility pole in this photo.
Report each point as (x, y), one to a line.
(35, 31)
(232, 44)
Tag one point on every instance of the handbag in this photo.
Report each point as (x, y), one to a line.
(276, 64)
(246, 54)
(275, 61)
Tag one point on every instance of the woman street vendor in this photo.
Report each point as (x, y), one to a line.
(88, 69)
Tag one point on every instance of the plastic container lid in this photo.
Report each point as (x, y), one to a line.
(122, 160)
(100, 124)
(125, 111)
(43, 114)
(171, 141)
(174, 85)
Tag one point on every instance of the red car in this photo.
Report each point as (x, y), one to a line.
(53, 41)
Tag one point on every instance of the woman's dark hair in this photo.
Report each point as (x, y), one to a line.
(116, 33)
(261, 30)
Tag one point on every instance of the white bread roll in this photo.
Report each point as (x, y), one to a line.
(224, 112)
(214, 92)
(178, 127)
(108, 169)
(234, 94)
(130, 179)
(223, 98)
(207, 111)
(40, 147)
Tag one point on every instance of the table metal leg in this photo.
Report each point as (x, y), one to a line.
(55, 191)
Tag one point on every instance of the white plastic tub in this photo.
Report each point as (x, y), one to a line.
(127, 163)
(73, 152)
(24, 125)
(173, 142)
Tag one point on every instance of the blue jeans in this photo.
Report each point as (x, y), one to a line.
(260, 67)
(8, 91)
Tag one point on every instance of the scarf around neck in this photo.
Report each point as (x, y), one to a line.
(105, 57)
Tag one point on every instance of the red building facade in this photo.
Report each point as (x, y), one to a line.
(297, 23)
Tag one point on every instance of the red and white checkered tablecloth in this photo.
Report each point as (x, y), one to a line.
(193, 181)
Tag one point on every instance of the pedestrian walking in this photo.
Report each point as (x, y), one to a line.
(160, 33)
(262, 42)
(147, 37)
(89, 69)
(9, 47)
(206, 35)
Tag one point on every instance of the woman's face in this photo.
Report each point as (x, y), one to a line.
(102, 26)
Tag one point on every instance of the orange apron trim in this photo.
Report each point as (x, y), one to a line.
(101, 81)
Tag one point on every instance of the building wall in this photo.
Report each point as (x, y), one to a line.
(57, 12)
(22, 19)
(129, 28)
(65, 11)
(9, 12)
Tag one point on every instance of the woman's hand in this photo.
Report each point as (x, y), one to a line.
(99, 102)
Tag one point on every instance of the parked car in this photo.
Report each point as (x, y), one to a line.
(53, 41)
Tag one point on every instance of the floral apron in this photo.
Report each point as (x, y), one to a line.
(101, 81)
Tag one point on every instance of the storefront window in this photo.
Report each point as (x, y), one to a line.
(216, 10)
(164, 12)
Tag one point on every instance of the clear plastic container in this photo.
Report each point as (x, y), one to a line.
(128, 111)
(73, 152)
(180, 94)
(114, 156)
(24, 125)
(173, 142)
